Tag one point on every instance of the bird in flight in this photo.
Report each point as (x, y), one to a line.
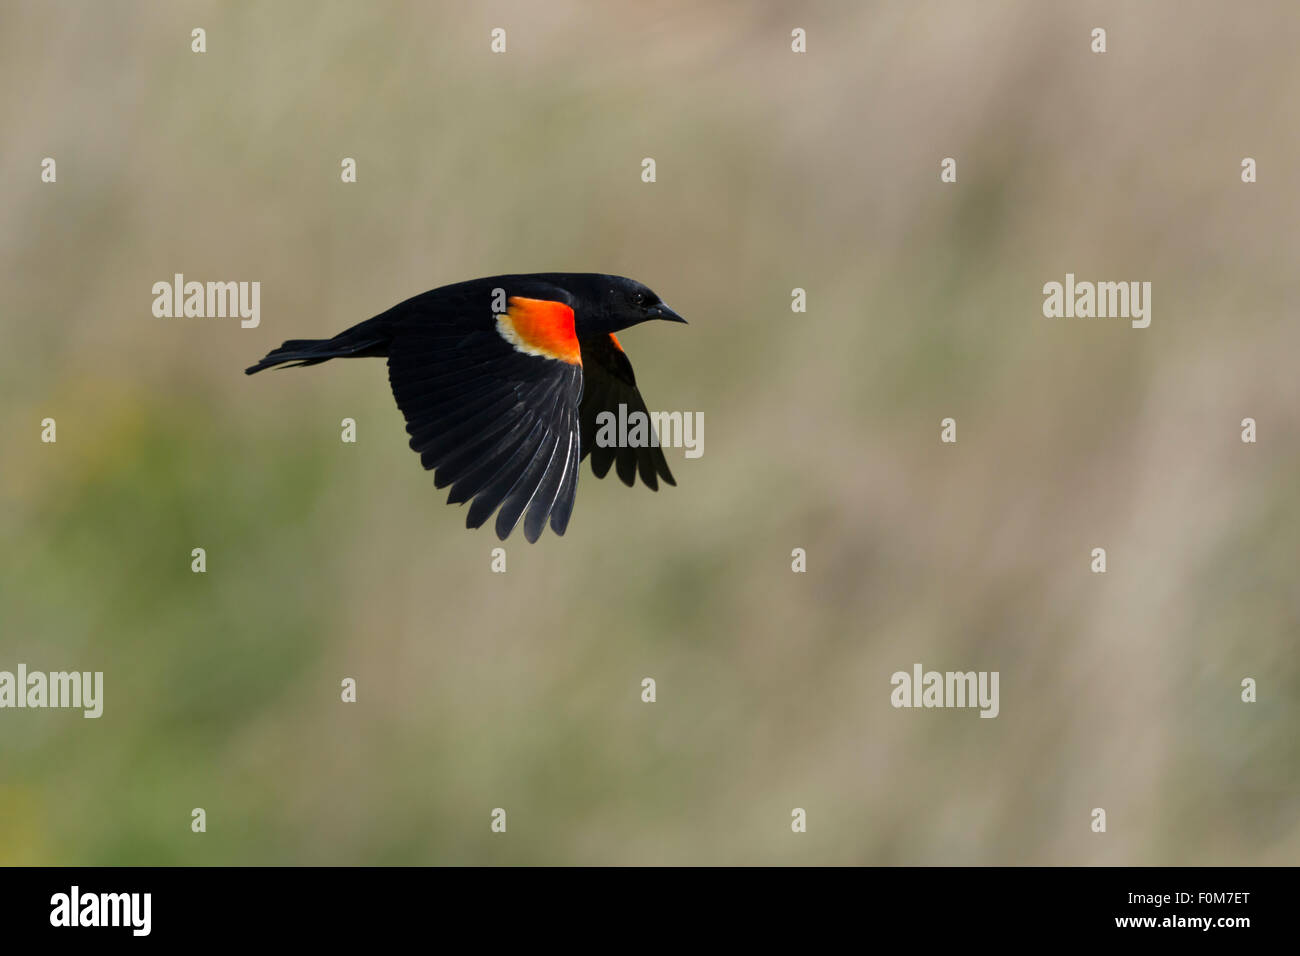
(501, 381)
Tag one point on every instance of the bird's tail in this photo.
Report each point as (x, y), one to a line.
(366, 340)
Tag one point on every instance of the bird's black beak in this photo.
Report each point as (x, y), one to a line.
(668, 315)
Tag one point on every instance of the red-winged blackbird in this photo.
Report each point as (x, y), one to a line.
(501, 380)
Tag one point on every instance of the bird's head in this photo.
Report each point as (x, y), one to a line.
(613, 303)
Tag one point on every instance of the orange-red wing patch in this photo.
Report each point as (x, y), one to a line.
(540, 327)
(617, 344)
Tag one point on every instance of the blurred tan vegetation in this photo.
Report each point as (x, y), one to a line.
(775, 170)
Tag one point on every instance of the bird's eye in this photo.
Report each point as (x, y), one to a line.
(638, 299)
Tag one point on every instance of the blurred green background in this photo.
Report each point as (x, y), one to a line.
(821, 171)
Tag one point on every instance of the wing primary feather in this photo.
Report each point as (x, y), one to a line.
(539, 509)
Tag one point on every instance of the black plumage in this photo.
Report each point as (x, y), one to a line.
(501, 381)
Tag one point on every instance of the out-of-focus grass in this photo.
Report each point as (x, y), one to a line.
(522, 690)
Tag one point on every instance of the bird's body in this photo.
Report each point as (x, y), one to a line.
(501, 381)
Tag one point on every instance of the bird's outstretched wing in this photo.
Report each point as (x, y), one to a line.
(610, 382)
(491, 405)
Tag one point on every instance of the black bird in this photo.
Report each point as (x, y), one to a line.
(501, 380)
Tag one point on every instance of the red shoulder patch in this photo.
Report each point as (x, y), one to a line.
(541, 327)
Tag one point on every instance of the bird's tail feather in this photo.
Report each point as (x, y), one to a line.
(364, 340)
